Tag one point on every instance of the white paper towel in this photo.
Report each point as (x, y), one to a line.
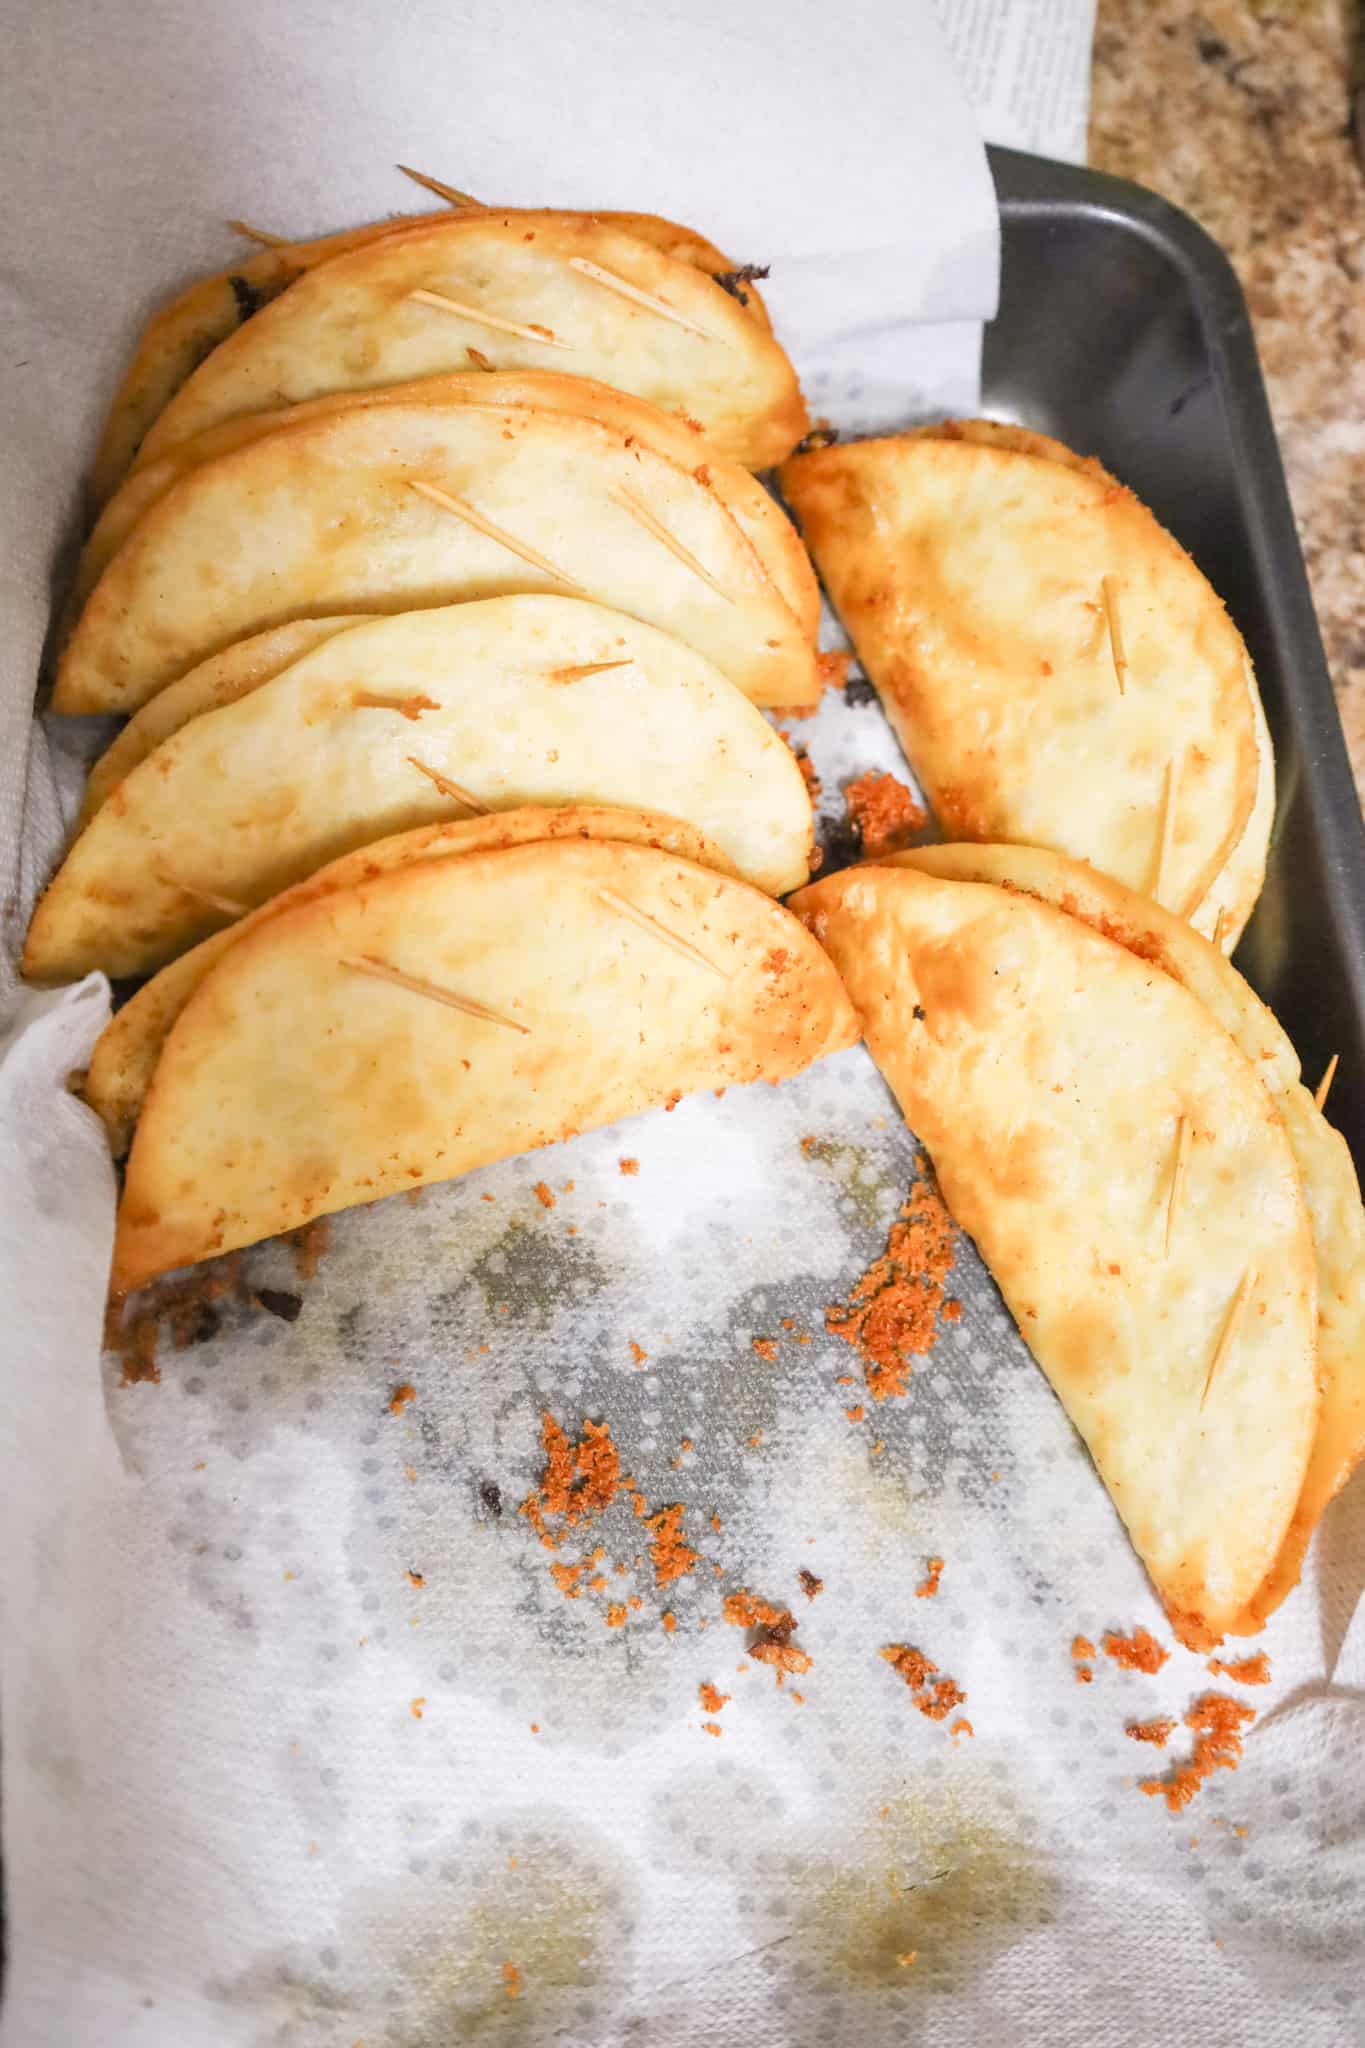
(261, 1787)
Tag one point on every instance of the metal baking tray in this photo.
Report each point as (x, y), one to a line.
(1123, 330)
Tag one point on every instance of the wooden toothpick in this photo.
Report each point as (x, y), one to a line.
(227, 904)
(584, 669)
(642, 515)
(261, 235)
(1163, 852)
(1329, 1075)
(638, 297)
(1230, 1329)
(451, 789)
(659, 931)
(1109, 588)
(1182, 1151)
(410, 707)
(381, 971)
(450, 193)
(463, 510)
(445, 304)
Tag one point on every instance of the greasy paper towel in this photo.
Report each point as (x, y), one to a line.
(262, 1787)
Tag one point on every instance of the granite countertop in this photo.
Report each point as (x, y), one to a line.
(1239, 111)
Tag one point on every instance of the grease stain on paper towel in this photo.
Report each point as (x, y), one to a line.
(944, 1870)
(422, 1965)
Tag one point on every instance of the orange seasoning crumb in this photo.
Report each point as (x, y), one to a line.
(136, 1350)
(399, 1398)
(775, 1628)
(766, 1347)
(616, 1615)
(415, 1578)
(1138, 1652)
(883, 812)
(670, 1556)
(928, 1586)
(310, 1246)
(1158, 1732)
(808, 774)
(638, 1352)
(669, 1621)
(712, 1698)
(810, 1585)
(935, 1697)
(629, 1165)
(579, 1480)
(892, 1314)
(833, 668)
(1217, 1722)
(416, 1708)
(1243, 1670)
(909, 1959)
(511, 1980)
(711, 1727)
(962, 1726)
(544, 1195)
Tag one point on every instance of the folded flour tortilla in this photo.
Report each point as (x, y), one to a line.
(1326, 1171)
(769, 531)
(1047, 1068)
(403, 506)
(448, 1013)
(182, 333)
(404, 721)
(524, 291)
(976, 571)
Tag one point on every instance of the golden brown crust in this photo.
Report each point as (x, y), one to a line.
(182, 333)
(252, 1126)
(775, 543)
(503, 702)
(325, 519)
(221, 680)
(971, 578)
(1326, 1172)
(125, 1054)
(557, 292)
(998, 1020)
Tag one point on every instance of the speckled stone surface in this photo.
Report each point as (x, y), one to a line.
(1239, 111)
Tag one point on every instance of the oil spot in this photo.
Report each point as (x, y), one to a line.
(525, 1273)
(423, 1959)
(873, 1191)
